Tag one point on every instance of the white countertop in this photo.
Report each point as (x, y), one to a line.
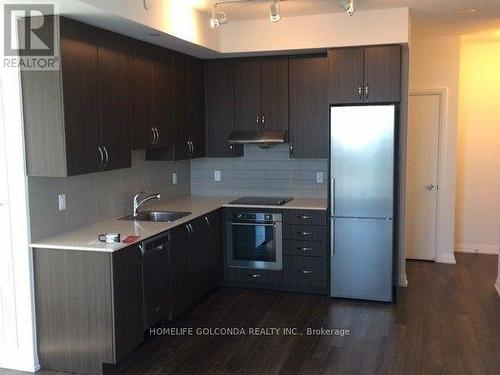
(85, 239)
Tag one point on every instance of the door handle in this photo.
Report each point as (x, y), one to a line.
(107, 156)
(332, 238)
(157, 136)
(101, 157)
(430, 187)
(153, 142)
(332, 194)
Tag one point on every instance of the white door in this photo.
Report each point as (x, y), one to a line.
(7, 298)
(422, 176)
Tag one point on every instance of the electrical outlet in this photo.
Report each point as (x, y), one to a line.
(217, 175)
(62, 202)
(174, 178)
(319, 177)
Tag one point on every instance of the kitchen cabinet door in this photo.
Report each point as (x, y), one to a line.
(196, 107)
(128, 299)
(180, 107)
(114, 98)
(345, 67)
(179, 271)
(382, 74)
(274, 93)
(198, 246)
(309, 109)
(80, 97)
(141, 95)
(247, 94)
(215, 263)
(219, 109)
(162, 99)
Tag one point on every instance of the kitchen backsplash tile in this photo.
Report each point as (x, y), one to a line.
(260, 172)
(100, 196)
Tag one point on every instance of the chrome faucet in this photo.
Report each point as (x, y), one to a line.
(138, 203)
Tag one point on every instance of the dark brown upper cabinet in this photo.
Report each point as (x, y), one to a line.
(382, 74)
(219, 109)
(196, 108)
(114, 100)
(364, 75)
(141, 93)
(74, 117)
(274, 92)
(308, 123)
(151, 96)
(180, 108)
(261, 93)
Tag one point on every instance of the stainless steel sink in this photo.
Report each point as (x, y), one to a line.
(157, 216)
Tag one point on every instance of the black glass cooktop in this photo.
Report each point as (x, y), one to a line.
(262, 201)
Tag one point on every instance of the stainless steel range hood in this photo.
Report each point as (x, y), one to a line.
(262, 137)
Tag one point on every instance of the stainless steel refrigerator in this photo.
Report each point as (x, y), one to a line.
(362, 187)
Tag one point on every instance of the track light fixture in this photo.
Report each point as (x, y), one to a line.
(274, 11)
(348, 5)
(218, 18)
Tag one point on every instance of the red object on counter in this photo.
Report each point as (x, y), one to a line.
(131, 239)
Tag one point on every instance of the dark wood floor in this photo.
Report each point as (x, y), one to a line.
(446, 322)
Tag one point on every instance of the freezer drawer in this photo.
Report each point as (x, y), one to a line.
(362, 259)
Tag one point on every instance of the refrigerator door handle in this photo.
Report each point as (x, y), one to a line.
(332, 195)
(332, 237)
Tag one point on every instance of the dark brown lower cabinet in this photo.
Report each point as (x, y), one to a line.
(307, 274)
(88, 307)
(179, 271)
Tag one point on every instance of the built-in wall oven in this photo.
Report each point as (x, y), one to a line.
(254, 240)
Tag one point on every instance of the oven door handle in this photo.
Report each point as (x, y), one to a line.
(255, 224)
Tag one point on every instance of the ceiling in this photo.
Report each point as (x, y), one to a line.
(434, 13)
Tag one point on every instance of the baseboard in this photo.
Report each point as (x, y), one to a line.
(476, 249)
(448, 258)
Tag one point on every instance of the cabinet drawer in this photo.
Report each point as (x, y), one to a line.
(304, 217)
(308, 273)
(305, 248)
(253, 276)
(304, 232)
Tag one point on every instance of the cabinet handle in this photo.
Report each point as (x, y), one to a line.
(366, 91)
(157, 136)
(360, 91)
(192, 147)
(188, 230)
(257, 120)
(153, 142)
(157, 309)
(290, 146)
(304, 217)
(141, 247)
(305, 272)
(207, 221)
(189, 147)
(263, 119)
(192, 230)
(254, 275)
(230, 147)
(304, 233)
(107, 156)
(305, 248)
(101, 157)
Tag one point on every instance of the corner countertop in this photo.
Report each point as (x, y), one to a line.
(85, 239)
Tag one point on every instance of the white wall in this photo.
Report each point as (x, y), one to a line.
(477, 216)
(434, 64)
(317, 31)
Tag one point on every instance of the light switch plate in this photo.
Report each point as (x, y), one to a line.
(174, 178)
(217, 175)
(319, 177)
(62, 202)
